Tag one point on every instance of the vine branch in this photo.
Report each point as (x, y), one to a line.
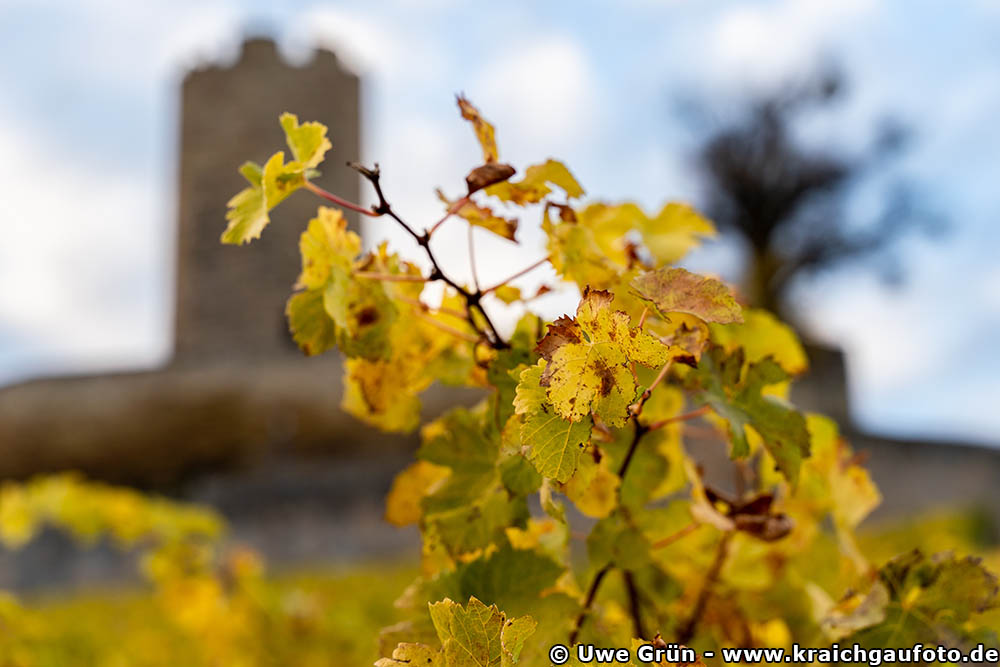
(670, 539)
(633, 604)
(693, 414)
(390, 277)
(339, 201)
(688, 629)
(591, 594)
(452, 210)
(472, 298)
(516, 275)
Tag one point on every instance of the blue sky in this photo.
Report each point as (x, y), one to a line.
(88, 127)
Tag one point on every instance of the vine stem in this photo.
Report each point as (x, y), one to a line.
(642, 318)
(472, 261)
(450, 330)
(693, 414)
(591, 594)
(640, 430)
(516, 275)
(633, 603)
(670, 539)
(339, 201)
(688, 629)
(472, 298)
(636, 408)
(443, 310)
(452, 210)
(390, 277)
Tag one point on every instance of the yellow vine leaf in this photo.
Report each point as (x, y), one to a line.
(311, 327)
(593, 488)
(402, 505)
(675, 290)
(483, 216)
(588, 360)
(409, 655)
(269, 186)
(534, 186)
(675, 230)
(327, 244)
(508, 294)
(384, 393)
(599, 245)
(477, 635)
(555, 443)
(762, 335)
(307, 141)
(359, 314)
(484, 130)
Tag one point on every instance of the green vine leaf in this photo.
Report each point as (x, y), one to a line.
(740, 401)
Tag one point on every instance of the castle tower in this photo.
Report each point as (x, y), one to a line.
(230, 300)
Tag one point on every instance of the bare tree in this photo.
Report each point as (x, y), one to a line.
(786, 199)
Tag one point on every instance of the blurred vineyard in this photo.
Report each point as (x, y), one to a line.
(208, 602)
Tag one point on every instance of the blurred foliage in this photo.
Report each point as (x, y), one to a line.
(208, 604)
(300, 619)
(247, 617)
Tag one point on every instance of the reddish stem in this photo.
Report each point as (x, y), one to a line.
(452, 210)
(329, 196)
(694, 414)
(516, 275)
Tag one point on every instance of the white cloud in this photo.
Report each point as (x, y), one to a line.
(764, 44)
(541, 94)
(81, 259)
(373, 46)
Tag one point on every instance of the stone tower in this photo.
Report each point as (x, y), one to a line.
(230, 301)
(237, 390)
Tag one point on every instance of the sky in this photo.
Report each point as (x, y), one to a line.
(89, 126)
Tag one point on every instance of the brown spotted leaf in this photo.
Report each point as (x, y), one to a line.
(675, 290)
(588, 360)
